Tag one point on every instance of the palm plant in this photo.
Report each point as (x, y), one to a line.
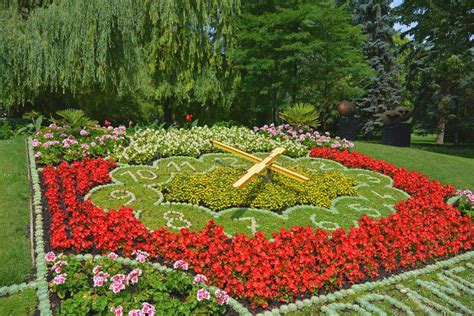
(300, 115)
(75, 118)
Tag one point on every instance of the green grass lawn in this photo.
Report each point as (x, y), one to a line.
(22, 303)
(14, 213)
(455, 165)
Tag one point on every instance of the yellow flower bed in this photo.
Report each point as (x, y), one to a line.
(214, 190)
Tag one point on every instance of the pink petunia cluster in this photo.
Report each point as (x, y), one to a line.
(57, 266)
(118, 283)
(222, 297)
(306, 136)
(99, 277)
(181, 264)
(147, 310)
(60, 279)
(132, 277)
(200, 278)
(50, 257)
(467, 193)
(203, 294)
(140, 256)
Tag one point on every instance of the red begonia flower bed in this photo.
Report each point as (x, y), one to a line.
(298, 261)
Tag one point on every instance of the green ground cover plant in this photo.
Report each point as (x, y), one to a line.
(22, 303)
(445, 291)
(14, 213)
(141, 187)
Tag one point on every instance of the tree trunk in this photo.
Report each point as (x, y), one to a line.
(167, 115)
(440, 128)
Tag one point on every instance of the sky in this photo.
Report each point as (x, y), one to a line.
(398, 26)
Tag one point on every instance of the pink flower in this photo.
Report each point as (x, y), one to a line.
(118, 311)
(200, 278)
(60, 279)
(85, 146)
(222, 297)
(470, 197)
(118, 278)
(57, 266)
(100, 278)
(37, 154)
(93, 144)
(116, 287)
(48, 135)
(96, 269)
(140, 255)
(135, 312)
(35, 142)
(133, 275)
(83, 132)
(181, 264)
(203, 294)
(148, 309)
(50, 257)
(113, 255)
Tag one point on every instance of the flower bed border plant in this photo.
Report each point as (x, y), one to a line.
(211, 253)
(42, 290)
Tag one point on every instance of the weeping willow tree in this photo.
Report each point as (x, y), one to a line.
(186, 45)
(169, 51)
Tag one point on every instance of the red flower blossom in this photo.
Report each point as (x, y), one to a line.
(189, 118)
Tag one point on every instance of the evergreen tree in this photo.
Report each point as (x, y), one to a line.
(383, 93)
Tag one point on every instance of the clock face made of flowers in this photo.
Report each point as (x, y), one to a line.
(145, 189)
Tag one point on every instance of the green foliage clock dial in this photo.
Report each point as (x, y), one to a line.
(145, 188)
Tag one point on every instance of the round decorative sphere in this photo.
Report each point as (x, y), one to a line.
(346, 108)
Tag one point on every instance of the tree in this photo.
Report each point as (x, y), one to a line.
(296, 51)
(167, 51)
(384, 92)
(441, 65)
(186, 44)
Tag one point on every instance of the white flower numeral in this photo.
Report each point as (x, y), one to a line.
(326, 225)
(384, 196)
(369, 211)
(123, 194)
(172, 216)
(322, 165)
(253, 223)
(143, 173)
(370, 179)
(178, 168)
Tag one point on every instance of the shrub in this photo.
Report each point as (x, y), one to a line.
(214, 190)
(301, 115)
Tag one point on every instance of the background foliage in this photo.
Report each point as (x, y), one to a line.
(239, 62)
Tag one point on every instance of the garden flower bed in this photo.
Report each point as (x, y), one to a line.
(97, 207)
